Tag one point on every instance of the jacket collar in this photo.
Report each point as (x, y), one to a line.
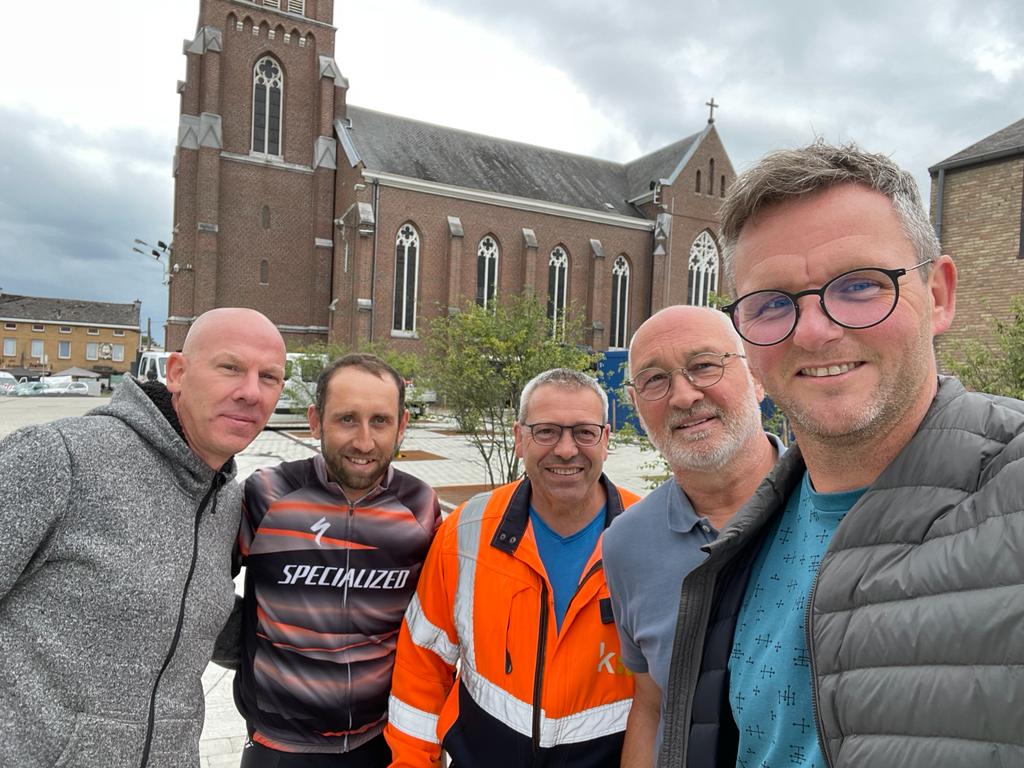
(510, 530)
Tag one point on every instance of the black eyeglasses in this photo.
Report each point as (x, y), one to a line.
(702, 371)
(857, 299)
(545, 433)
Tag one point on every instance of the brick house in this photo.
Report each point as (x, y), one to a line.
(977, 207)
(41, 336)
(345, 224)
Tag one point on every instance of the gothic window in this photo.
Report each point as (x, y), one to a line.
(620, 303)
(265, 217)
(264, 272)
(711, 176)
(698, 182)
(267, 99)
(487, 272)
(558, 274)
(407, 250)
(721, 187)
(703, 269)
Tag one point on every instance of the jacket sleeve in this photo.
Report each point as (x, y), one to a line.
(428, 647)
(35, 487)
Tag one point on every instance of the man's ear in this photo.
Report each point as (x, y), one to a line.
(403, 422)
(942, 284)
(177, 364)
(313, 417)
(517, 429)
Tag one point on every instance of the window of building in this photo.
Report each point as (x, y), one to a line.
(10, 347)
(118, 332)
(407, 250)
(272, 3)
(264, 272)
(297, 6)
(620, 303)
(93, 331)
(267, 98)
(11, 326)
(64, 329)
(92, 351)
(703, 269)
(36, 350)
(711, 176)
(38, 327)
(558, 274)
(63, 349)
(721, 187)
(117, 353)
(487, 272)
(698, 183)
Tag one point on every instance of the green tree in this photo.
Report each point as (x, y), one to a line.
(998, 366)
(480, 360)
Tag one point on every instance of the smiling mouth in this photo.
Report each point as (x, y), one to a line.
(564, 471)
(360, 462)
(829, 370)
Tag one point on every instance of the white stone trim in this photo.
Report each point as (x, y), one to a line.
(271, 161)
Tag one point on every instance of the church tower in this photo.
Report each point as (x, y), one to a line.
(254, 166)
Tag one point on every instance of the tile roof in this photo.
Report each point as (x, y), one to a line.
(44, 310)
(1008, 141)
(405, 147)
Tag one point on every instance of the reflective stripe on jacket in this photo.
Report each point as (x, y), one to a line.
(524, 693)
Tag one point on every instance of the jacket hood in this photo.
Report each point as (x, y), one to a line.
(149, 413)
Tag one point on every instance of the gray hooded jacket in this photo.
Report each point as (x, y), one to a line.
(917, 616)
(115, 558)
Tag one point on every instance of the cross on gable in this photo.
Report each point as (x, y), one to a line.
(711, 104)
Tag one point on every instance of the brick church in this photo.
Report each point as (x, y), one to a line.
(349, 225)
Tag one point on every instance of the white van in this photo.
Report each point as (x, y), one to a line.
(153, 367)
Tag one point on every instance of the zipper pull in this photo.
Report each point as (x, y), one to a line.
(508, 662)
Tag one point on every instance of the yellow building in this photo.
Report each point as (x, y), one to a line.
(42, 336)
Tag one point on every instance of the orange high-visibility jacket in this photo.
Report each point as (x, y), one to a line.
(524, 693)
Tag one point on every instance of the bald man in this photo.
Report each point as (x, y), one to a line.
(116, 536)
(700, 407)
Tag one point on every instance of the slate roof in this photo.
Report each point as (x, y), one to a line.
(44, 310)
(405, 147)
(1008, 141)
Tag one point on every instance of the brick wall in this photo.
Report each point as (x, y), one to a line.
(981, 225)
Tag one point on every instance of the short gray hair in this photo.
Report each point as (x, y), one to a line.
(562, 377)
(792, 173)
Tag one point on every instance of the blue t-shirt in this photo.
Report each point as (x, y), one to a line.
(770, 673)
(564, 558)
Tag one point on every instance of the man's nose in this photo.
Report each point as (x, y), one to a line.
(814, 329)
(682, 393)
(566, 446)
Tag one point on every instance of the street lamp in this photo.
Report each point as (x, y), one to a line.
(164, 250)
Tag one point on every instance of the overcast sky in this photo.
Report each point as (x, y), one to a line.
(88, 119)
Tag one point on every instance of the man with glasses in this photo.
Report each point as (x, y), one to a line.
(508, 655)
(699, 406)
(868, 600)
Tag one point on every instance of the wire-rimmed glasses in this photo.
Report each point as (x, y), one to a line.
(702, 371)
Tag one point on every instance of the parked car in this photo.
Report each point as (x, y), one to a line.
(7, 383)
(30, 388)
(72, 388)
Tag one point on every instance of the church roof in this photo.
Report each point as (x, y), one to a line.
(406, 147)
(43, 310)
(1003, 143)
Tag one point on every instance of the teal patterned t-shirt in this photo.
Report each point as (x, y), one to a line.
(770, 673)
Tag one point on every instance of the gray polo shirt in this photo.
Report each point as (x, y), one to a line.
(647, 552)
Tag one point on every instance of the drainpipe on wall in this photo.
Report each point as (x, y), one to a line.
(938, 203)
(373, 262)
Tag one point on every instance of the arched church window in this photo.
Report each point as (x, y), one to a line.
(711, 176)
(721, 187)
(698, 183)
(267, 99)
(407, 262)
(264, 272)
(620, 303)
(487, 272)
(558, 278)
(703, 274)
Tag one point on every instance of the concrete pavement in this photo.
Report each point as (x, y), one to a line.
(460, 464)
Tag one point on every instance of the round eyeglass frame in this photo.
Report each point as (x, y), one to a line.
(893, 274)
(722, 357)
(561, 430)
